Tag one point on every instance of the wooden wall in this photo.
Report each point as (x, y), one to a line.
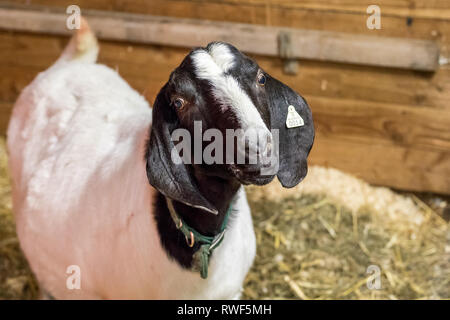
(388, 126)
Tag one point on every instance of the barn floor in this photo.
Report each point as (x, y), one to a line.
(315, 241)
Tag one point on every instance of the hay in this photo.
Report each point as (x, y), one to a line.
(16, 279)
(315, 241)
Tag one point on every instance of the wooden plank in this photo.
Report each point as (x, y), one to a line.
(400, 8)
(402, 87)
(307, 44)
(22, 56)
(404, 168)
(382, 124)
(284, 13)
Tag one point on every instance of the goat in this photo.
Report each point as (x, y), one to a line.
(95, 186)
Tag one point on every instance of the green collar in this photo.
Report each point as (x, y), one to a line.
(208, 244)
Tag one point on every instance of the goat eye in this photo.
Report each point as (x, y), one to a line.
(261, 79)
(178, 103)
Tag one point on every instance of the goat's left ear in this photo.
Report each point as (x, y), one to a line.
(294, 142)
(171, 179)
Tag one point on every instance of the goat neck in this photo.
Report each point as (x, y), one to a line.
(218, 191)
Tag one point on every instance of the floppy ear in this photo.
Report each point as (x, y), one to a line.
(173, 180)
(295, 142)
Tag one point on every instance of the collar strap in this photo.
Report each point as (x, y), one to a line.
(208, 244)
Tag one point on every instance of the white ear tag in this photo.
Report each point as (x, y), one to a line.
(293, 119)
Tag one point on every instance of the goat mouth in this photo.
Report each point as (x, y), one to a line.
(250, 176)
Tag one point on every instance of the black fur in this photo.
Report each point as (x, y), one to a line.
(295, 143)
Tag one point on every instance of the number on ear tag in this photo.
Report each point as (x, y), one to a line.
(293, 119)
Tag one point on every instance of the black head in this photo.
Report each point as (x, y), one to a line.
(229, 119)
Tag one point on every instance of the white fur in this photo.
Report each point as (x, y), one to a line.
(222, 56)
(212, 66)
(81, 197)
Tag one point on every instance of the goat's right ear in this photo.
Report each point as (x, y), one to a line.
(172, 180)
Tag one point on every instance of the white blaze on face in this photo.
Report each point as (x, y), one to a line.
(212, 66)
